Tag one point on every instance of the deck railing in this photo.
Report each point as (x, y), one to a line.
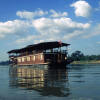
(45, 52)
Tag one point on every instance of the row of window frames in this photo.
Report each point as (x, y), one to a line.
(29, 58)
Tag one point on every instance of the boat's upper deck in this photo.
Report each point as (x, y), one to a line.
(45, 52)
(40, 47)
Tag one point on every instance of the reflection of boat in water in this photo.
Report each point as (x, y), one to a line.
(45, 81)
(50, 53)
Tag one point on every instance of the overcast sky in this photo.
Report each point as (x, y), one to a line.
(24, 22)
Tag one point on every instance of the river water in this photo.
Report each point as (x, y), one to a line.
(41, 82)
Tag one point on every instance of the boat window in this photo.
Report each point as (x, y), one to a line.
(41, 57)
(28, 58)
(22, 59)
(19, 59)
(25, 58)
(65, 58)
(33, 58)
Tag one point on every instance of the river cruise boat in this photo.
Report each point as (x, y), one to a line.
(50, 53)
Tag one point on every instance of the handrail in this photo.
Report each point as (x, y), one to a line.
(45, 52)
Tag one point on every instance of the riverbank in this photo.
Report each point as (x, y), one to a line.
(85, 62)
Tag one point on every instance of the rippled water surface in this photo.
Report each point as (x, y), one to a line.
(41, 82)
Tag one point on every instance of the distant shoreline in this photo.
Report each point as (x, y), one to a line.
(4, 62)
(85, 62)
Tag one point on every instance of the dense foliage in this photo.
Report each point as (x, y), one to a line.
(79, 56)
(4, 63)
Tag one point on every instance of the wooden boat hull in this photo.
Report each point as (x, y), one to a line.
(50, 64)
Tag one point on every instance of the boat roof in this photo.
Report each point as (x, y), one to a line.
(40, 46)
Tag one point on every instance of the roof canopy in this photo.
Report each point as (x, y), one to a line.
(40, 46)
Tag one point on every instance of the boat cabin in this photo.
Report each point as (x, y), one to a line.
(41, 53)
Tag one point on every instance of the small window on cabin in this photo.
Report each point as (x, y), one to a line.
(41, 57)
(22, 59)
(19, 59)
(65, 58)
(33, 58)
(28, 58)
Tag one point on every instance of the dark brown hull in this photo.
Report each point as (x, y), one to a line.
(50, 64)
(60, 64)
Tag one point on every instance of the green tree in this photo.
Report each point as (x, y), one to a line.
(77, 56)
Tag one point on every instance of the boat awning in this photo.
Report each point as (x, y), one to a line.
(40, 47)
